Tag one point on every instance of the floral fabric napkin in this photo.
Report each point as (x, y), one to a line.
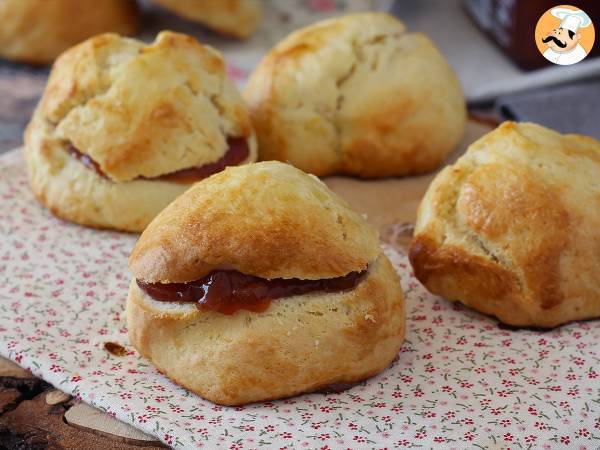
(460, 380)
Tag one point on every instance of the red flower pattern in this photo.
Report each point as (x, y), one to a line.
(460, 379)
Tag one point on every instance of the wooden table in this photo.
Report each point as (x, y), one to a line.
(34, 415)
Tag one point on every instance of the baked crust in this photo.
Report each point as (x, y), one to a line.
(238, 18)
(300, 344)
(145, 110)
(95, 101)
(36, 31)
(512, 228)
(268, 219)
(356, 95)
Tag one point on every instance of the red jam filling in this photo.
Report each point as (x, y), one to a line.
(85, 160)
(236, 153)
(227, 291)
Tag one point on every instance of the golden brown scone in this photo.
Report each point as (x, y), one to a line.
(238, 18)
(356, 95)
(37, 31)
(272, 221)
(513, 228)
(138, 112)
(269, 220)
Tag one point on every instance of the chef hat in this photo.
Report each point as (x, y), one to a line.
(572, 19)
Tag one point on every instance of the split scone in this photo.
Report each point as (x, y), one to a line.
(260, 283)
(513, 228)
(123, 128)
(356, 95)
(238, 18)
(37, 31)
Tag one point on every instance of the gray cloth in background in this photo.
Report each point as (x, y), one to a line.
(572, 108)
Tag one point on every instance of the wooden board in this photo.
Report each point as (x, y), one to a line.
(88, 418)
(35, 415)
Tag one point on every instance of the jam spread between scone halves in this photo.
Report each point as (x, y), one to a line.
(227, 291)
(236, 153)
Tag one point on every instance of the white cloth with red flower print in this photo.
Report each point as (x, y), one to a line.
(460, 380)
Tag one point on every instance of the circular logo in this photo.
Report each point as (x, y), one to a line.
(564, 35)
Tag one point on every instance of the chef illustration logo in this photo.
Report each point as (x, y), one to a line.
(564, 35)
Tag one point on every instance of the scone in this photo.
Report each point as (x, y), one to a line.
(238, 18)
(356, 95)
(37, 31)
(123, 128)
(260, 283)
(513, 228)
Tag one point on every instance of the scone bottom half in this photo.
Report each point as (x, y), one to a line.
(107, 151)
(260, 283)
(512, 229)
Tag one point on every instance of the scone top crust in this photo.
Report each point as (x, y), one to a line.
(269, 220)
(512, 228)
(356, 94)
(144, 110)
(238, 18)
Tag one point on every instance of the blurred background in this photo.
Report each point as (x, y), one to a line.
(490, 44)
